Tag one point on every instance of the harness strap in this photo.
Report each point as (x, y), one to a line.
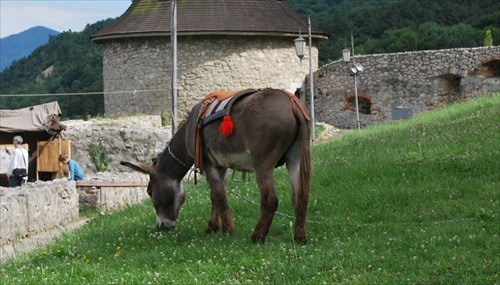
(296, 102)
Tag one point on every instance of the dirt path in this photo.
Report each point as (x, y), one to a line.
(330, 133)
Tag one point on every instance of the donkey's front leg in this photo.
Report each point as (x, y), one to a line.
(220, 216)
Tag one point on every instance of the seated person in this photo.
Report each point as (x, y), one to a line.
(75, 170)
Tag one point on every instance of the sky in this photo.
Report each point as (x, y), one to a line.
(61, 15)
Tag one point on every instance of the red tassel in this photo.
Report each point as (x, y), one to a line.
(226, 127)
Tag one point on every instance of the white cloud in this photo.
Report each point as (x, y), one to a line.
(18, 16)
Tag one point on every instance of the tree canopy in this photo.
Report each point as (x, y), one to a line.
(386, 26)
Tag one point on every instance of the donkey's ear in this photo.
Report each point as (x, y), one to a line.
(139, 166)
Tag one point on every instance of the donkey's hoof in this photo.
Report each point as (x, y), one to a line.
(227, 231)
(211, 229)
(300, 239)
(256, 238)
(227, 227)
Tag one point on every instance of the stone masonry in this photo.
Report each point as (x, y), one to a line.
(137, 77)
(129, 138)
(137, 74)
(410, 81)
(35, 208)
(40, 206)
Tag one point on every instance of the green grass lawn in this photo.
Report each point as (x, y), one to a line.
(412, 202)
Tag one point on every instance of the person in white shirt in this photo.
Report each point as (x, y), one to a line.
(19, 160)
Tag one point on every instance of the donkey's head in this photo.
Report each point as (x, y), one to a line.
(167, 194)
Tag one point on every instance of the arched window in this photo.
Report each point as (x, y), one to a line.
(364, 103)
(492, 66)
(451, 85)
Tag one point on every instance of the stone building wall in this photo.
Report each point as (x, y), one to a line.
(408, 82)
(137, 76)
(205, 64)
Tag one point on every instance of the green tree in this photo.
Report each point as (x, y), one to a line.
(488, 39)
(430, 36)
(369, 22)
(399, 40)
(462, 35)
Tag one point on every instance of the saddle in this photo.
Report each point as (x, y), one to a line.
(218, 104)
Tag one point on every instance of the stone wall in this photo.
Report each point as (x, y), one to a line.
(137, 73)
(410, 82)
(130, 139)
(40, 206)
(108, 198)
(35, 208)
(137, 77)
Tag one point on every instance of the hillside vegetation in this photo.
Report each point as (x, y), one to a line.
(71, 63)
(412, 202)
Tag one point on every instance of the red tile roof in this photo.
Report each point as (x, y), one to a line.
(208, 17)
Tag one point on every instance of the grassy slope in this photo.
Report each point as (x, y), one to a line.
(414, 202)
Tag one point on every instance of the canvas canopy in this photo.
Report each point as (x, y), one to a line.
(37, 118)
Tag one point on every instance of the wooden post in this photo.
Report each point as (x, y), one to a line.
(114, 183)
(60, 152)
(37, 156)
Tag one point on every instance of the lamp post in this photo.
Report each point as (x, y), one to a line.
(300, 47)
(173, 42)
(356, 68)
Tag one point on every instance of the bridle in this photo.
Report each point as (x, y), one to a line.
(169, 149)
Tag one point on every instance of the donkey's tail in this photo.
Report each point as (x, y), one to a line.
(304, 135)
(305, 173)
(305, 159)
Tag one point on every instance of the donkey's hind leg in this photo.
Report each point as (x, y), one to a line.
(220, 216)
(268, 205)
(300, 197)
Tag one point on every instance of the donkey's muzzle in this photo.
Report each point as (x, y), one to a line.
(165, 225)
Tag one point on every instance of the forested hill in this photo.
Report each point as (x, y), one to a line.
(386, 26)
(71, 63)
